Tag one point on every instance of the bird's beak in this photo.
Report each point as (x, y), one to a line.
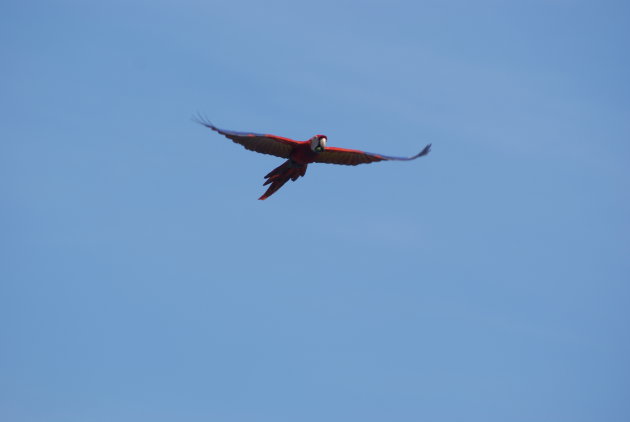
(319, 148)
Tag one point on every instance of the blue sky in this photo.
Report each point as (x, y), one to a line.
(141, 279)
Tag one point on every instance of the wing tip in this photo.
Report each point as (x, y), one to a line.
(424, 151)
(204, 121)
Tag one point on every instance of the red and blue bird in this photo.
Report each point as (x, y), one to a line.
(300, 154)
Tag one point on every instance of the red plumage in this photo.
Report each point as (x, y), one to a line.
(300, 154)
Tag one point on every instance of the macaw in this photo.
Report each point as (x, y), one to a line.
(299, 154)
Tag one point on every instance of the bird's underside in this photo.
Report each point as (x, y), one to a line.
(299, 154)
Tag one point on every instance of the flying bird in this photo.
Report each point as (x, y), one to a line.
(299, 154)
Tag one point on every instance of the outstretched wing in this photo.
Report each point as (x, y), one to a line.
(264, 144)
(352, 157)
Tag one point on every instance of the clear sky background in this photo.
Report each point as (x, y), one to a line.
(141, 279)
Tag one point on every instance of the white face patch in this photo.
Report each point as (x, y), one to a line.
(318, 144)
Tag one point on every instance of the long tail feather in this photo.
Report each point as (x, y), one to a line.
(277, 184)
(281, 175)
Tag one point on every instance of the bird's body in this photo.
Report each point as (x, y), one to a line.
(300, 154)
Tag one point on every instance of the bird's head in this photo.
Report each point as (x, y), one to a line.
(318, 143)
